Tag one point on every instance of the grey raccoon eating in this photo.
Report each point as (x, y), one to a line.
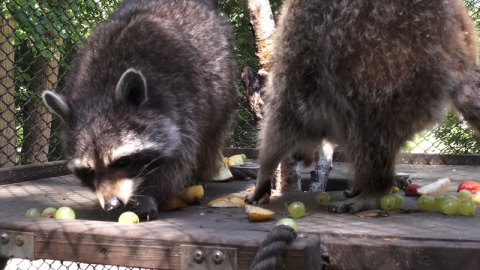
(367, 75)
(148, 101)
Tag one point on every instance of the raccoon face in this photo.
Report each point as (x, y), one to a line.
(108, 142)
(116, 175)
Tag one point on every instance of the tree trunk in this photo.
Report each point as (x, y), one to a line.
(263, 25)
(36, 129)
(7, 93)
(323, 166)
(252, 87)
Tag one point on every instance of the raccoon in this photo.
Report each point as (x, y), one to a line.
(148, 101)
(367, 75)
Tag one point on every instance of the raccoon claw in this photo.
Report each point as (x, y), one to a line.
(258, 194)
(146, 208)
(354, 205)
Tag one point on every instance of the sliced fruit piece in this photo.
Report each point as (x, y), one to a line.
(223, 171)
(174, 203)
(470, 185)
(435, 189)
(395, 189)
(225, 202)
(256, 213)
(411, 190)
(476, 198)
(192, 194)
(234, 160)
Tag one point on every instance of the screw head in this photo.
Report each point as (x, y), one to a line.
(198, 256)
(218, 257)
(19, 240)
(4, 238)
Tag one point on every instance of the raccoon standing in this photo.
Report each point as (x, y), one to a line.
(148, 101)
(367, 75)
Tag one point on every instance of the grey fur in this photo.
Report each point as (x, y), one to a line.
(159, 78)
(367, 75)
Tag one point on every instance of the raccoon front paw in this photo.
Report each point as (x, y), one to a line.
(354, 205)
(258, 194)
(145, 207)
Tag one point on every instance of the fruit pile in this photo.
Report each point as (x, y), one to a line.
(432, 196)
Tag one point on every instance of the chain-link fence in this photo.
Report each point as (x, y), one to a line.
(39, 38)
(21, 264)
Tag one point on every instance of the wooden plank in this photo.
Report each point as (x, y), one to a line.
(391, 253)
(146, 246)
(32, 172)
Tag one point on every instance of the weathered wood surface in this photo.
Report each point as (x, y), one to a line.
(343, 241)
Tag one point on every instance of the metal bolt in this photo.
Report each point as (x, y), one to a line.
(198, 256)
(19, 240)
(218, 257)
(4, 238)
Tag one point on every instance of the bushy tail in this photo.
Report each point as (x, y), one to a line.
(466, 98)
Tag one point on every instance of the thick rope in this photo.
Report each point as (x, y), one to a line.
(269, 252)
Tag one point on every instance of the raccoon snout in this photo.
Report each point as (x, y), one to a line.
(113, 204)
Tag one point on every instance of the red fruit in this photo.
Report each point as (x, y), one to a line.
(411, 190)
(470, 185)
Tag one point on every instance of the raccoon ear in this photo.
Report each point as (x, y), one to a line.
(131, 89)
(57, 104)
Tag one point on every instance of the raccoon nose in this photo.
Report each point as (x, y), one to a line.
(113, 204)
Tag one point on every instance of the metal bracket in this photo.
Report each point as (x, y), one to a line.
(17, 245)
(208, 258)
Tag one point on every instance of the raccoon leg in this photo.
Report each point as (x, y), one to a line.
(275, 144)
(373, 164)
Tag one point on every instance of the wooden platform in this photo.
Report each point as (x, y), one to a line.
(421, 240)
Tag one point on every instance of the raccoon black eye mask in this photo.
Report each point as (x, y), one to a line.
(148, 101)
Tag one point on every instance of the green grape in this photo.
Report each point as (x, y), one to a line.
(288, 222)
(128, 218)
(450, 207)
(439, 201)
(467, 208)
(33, 212)
(398, 200)
(426, 202)
(455, 198)
(387, 202)
(49, 212)
(322, 198)
(464, 195)
(64, 212)
(296, 209)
